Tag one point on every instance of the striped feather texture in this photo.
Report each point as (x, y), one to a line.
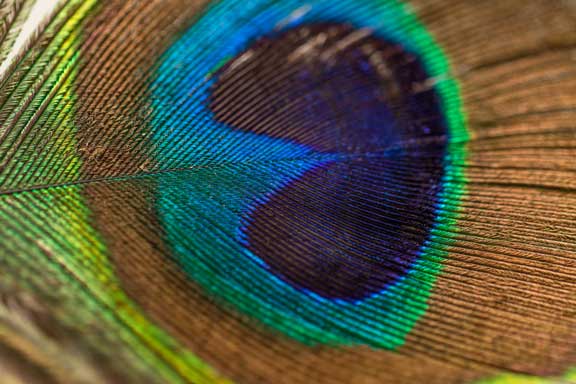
(287, 191)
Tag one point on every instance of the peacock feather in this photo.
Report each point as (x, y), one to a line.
(288, 191)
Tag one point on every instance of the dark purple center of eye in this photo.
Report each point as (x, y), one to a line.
(349, 227)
